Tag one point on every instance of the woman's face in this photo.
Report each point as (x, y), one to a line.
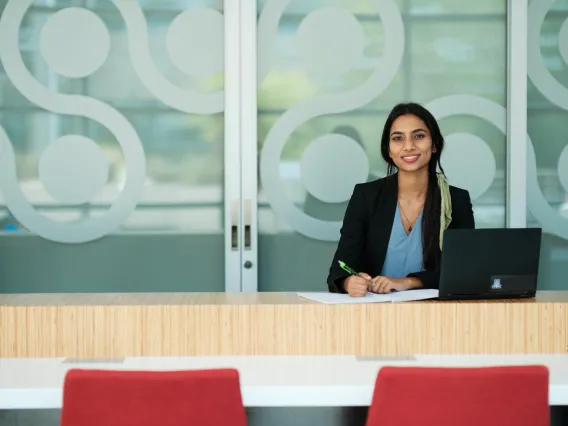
(410, 143)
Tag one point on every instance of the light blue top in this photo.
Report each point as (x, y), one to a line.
(404, 253)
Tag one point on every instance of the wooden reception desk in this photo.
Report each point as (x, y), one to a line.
(166, 324)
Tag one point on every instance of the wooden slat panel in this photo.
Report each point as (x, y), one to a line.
(91, 326)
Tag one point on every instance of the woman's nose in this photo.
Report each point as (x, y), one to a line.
(408, 144)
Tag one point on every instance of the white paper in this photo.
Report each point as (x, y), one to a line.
(399, 296)
(337, 298)
(412, 295)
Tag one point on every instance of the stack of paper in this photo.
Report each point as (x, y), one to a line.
(399, 296)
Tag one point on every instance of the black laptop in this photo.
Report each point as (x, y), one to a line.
(490, 263)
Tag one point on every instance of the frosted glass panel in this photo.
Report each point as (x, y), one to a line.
(112, 124)
(547, 163)
(329, 73)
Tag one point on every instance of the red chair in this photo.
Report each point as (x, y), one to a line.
(485, 396)
(152, 398)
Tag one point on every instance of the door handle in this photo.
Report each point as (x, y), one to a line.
(234, 225)
(247, 224)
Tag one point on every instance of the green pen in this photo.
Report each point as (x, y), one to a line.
(350, 271)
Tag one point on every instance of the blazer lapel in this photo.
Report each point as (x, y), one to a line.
(383, 220)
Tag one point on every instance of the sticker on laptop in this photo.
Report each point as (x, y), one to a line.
(496, 284)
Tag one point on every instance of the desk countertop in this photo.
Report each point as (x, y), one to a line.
(184, 299)
(200, 324)
(266, 381)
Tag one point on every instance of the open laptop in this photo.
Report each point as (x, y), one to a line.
(490, 263)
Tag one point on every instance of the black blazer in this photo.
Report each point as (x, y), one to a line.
(367, 228)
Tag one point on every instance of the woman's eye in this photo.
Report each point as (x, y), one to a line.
(396, 138)
(420, 136)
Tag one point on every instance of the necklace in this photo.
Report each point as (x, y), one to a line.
(406, 217)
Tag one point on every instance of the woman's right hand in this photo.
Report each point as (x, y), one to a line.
(357, 286)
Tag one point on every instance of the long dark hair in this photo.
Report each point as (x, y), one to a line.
(432, 205)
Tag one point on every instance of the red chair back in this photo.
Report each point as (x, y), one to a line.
(152, 398)
(487, 396)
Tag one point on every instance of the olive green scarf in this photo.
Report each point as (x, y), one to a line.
(446, 207)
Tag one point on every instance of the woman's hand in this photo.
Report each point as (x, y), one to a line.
(357, 286)
(386, 284)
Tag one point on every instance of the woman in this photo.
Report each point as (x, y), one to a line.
(393, 227)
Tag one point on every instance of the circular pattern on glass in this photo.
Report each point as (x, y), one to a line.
(321, 105)
(194, 42)
(546, 216)
(538, 72)
(74, 42)
(331, 166)
(557, 93)
(73, 169)
(463, 157)
(469, 153)
(330, 41)
(86, 229)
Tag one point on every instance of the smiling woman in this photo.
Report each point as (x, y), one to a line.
(393, 226)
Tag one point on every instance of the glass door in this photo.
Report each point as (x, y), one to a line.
(328, 73)
(116, 171)
(547, 159)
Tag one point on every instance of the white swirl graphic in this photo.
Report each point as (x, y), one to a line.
(134, 158)
(557, 93)
(155, 82)
(548, 218)
(324, 105)
(473, 148)
(539, 74)
(497, 115)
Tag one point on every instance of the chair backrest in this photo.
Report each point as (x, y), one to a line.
(488, 396)
(152, 398)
